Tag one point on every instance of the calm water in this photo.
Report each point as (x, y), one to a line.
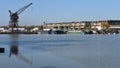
(60, 51)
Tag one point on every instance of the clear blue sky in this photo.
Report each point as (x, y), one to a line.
(60, 10)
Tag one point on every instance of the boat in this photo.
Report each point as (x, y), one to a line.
(52, 31)
(75, 32)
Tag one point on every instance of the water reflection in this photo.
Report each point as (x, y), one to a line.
(14, 48)
(14, 45)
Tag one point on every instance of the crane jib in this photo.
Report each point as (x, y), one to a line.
(23, 8)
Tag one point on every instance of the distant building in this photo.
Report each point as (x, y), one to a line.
(114, 24)
(99, 25)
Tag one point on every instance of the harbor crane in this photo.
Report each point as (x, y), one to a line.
(13, 23)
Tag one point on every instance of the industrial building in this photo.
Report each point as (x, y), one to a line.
(99, 25)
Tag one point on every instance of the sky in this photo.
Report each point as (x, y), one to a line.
(55, 11)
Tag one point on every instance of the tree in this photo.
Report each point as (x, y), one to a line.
(105, 25)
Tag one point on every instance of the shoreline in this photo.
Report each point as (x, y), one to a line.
(18, 33)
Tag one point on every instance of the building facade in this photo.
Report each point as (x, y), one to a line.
(99, 25)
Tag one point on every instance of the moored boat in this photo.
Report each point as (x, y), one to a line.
(75, 32)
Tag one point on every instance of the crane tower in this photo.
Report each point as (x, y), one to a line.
(13, 23)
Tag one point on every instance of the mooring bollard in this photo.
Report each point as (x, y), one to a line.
(2, 50)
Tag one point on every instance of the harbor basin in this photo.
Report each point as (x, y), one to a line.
(60, 51)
